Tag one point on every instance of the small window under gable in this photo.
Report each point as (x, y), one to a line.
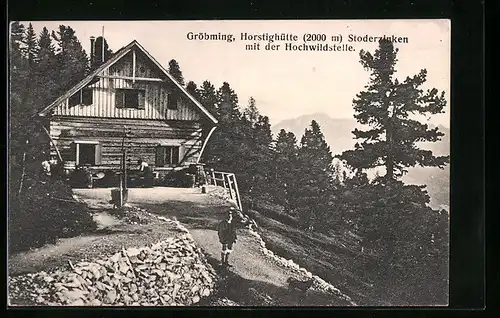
(172, 100)
(84, 96)
(130, 98)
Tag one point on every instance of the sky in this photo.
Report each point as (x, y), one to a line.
(285, 84)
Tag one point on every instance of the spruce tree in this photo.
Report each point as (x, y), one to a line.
(227, 102)
(31, 47)
(72, 60)
(260, 156)
(18, 66)
(192, 89)
(45, 77)
(251, 112)
(208, 97)
(285, 165)
(18, 81)
(223, 144)
(98, 52)
(314, 175)
(175, 70)
(387, 106)
(17, 30)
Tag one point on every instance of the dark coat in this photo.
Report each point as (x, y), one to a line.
(227, 232)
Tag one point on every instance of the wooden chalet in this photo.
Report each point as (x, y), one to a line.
(131, 92)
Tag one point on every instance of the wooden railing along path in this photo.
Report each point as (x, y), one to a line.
(228, 181)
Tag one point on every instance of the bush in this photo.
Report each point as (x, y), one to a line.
(45, 212)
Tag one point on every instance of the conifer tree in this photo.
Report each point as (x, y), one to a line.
(18, 81)
(45, 76)
(72, 60)
(192, 89)
(208, 97)
(17, 63)
(285, 165)
(260, 156)
(251, 112)
(314, 176)
(227, 102)
(31, 47)
(175, 70)
(17, 30)
(223, 144)
(394, 219)
(387, 106)
(98, 52)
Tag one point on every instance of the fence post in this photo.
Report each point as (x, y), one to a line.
(224, 180)
(230, 187)
(237, 192)
(213, 178)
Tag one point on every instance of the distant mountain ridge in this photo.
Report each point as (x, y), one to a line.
(338, 135)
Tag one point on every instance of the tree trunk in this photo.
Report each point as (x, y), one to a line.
(389, 164)
(23, 174)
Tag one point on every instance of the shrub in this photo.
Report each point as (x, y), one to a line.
(45, 212)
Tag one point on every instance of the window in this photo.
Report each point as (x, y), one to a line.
(172, 99)
(87, 153)
(167, 155)
(82, 97)
(130, 98)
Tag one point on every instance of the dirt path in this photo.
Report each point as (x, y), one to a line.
(254, 279)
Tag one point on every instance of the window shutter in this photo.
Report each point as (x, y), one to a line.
(160, 156)
(172, 101)
(176, 155)
(141, 99)
(181, 153)
(87, 96)
(119, 99)
(75, 99)
(98, 150)
(73, 152)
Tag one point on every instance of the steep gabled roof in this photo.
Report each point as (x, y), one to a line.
(115, 58)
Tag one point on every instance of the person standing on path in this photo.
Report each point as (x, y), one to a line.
(226, 230)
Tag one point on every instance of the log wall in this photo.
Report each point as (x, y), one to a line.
(147, 135)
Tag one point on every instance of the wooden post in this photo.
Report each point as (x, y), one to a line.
(224, 180)
(53, 143)
(133, 66)
(77, 161)
(237, 192)
(213, 178)
(230, 187)
(125, 169)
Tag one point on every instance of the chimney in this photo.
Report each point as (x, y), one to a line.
(92, 51)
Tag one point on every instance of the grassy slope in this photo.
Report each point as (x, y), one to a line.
(331, 258)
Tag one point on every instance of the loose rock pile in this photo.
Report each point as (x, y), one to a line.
(169, 273)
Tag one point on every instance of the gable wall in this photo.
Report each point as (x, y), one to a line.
(155, 99)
